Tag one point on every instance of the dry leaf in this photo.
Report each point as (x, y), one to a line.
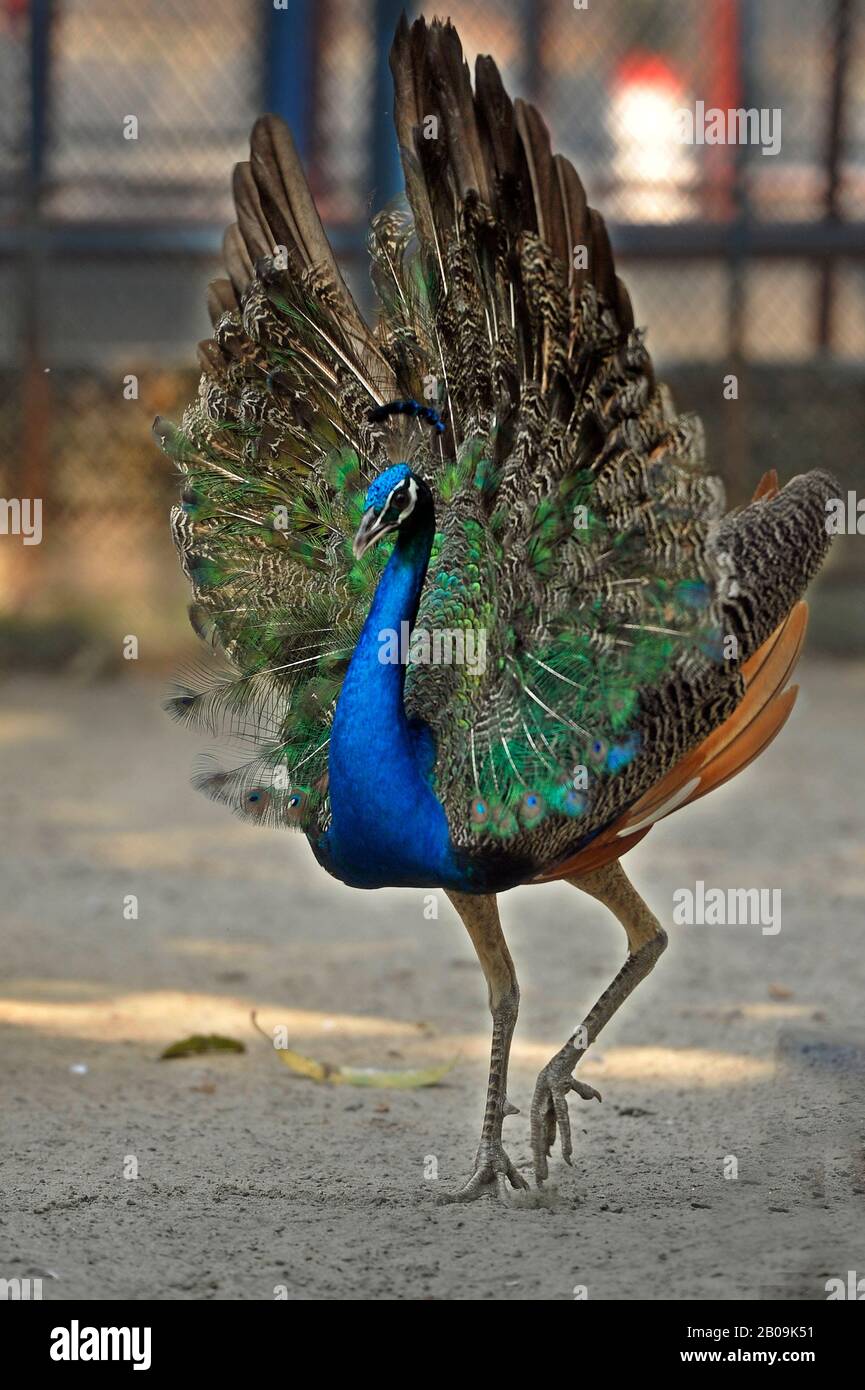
(356, 1076)
(197, 1043)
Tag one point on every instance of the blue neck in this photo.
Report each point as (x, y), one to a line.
(388, 828)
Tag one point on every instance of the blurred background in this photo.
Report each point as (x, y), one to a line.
(120, 121)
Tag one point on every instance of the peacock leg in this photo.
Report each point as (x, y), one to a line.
(493, 1169)
(646, 941)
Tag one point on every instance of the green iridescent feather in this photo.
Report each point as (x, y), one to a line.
(580, 546)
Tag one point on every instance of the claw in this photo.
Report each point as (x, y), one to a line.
(493, 1172)
(584, 1091)
(550, 1116)
(502, 1188)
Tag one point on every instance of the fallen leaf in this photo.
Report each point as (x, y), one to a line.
(197, 1043)
(325, 1072)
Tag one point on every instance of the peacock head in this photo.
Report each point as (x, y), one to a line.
(396, 500)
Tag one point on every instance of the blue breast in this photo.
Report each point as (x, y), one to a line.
(388, 828)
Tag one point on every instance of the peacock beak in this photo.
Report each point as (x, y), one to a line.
(371, 529)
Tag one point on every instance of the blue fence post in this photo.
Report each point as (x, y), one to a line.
(33, 460)
(533, 17)
(40, 41)
(289, 67)
(737, 417)
(386, 172)
(842, 34)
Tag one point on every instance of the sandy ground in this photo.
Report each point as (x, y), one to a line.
(741, 1046)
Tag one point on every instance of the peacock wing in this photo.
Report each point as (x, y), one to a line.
(583, 584)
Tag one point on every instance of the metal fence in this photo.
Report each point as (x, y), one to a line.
(120, 121)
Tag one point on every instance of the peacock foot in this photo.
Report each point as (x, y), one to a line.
(550, 1114)
(493, 1172)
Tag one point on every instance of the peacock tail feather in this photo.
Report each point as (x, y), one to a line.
(582, 558)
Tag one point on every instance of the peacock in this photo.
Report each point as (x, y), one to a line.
(478, 614)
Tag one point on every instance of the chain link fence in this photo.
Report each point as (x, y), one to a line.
(120, 121)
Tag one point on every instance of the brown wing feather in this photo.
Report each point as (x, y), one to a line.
(601, 851)
(767, 486)
(758, 718)
(765, 675)
(748, 744)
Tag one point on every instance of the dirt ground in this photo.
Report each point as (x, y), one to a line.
(744, 1052)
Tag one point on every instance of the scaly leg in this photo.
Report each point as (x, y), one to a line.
(646, 941)
(493, 1169)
